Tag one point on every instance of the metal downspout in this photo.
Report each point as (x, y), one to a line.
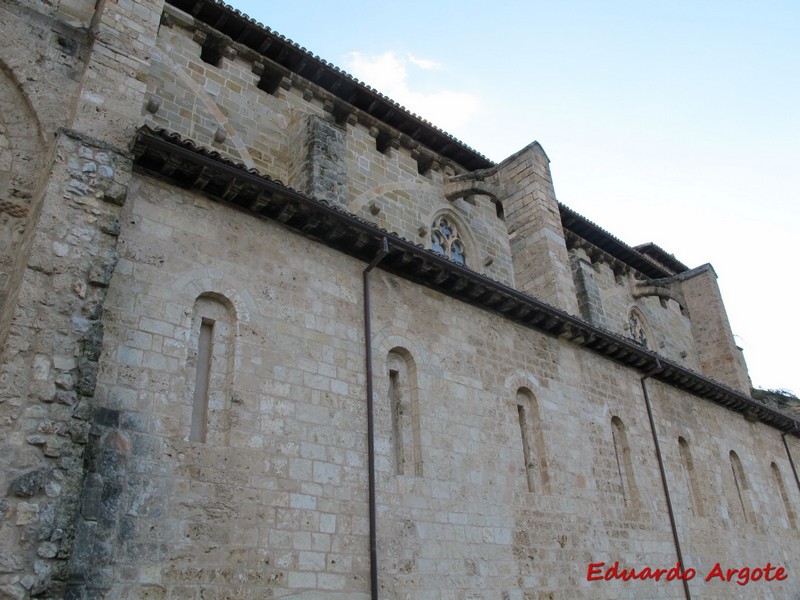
(657, 369)
(373, 535)
(791, 460)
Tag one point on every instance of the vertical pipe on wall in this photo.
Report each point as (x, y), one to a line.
(791, 460)
(657, 369)
(373, 536)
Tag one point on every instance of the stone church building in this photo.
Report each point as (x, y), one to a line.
(267, 334)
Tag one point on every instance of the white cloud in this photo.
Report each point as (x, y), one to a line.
(424, 63)
(389, 74)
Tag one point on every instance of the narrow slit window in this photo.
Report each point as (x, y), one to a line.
(740, 482)
(622, 451)
(202, 376)
(499, 211)
(526, 451)
(404, 406)
(206, 413)
(787, 507)
(692, 484)
(534, 452)
(395, 396)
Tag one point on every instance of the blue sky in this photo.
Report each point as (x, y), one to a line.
(672, 122)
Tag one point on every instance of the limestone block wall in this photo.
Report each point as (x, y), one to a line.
(22, 151)
(290, 136)
(41, 59)
(753, 503)
(717, 349)
(277, 502)
(77, 13)
(387, 189)
(669, 329)
(219, 105)
(536, 238)
(72, 89)
(182, 385)
(507, 460)
(48, 373)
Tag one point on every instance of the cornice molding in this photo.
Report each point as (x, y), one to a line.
(183, 163)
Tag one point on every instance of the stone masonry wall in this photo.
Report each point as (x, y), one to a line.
(81, 93)
(21, 154)
(289, 135)
(280, 507)
(718, 354)
(536, 237)
(507, 460)
(613, 296)
(41, 59)
(50, 365)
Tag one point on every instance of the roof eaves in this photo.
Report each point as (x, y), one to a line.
(660, 255)
(596, 235)
(184, 163)
(297, 59)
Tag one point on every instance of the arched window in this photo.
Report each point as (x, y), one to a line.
(533, 451)
(742, 487)
(210, 368)
(404, 403)
(636, 326)
(446, 241)
(790, 516)
(622, 451)
(695, 499)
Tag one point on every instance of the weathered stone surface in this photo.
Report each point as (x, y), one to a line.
(326, 166)
(12, 591)
(27, 513)
(47, 550)
(183, 384)
(29, 484)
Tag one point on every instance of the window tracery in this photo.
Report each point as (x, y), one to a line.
(637, 329)
(445, 240)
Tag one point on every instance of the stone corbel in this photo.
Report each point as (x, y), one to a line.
(229, 52)
(341, 113)
(269, 79)
(425, 161)
(596, 255)
(172, 16)
(385, 141)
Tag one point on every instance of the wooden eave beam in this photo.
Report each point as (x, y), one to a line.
(268, 44)
(170, 159)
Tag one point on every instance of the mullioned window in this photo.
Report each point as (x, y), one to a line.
(445, 240)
